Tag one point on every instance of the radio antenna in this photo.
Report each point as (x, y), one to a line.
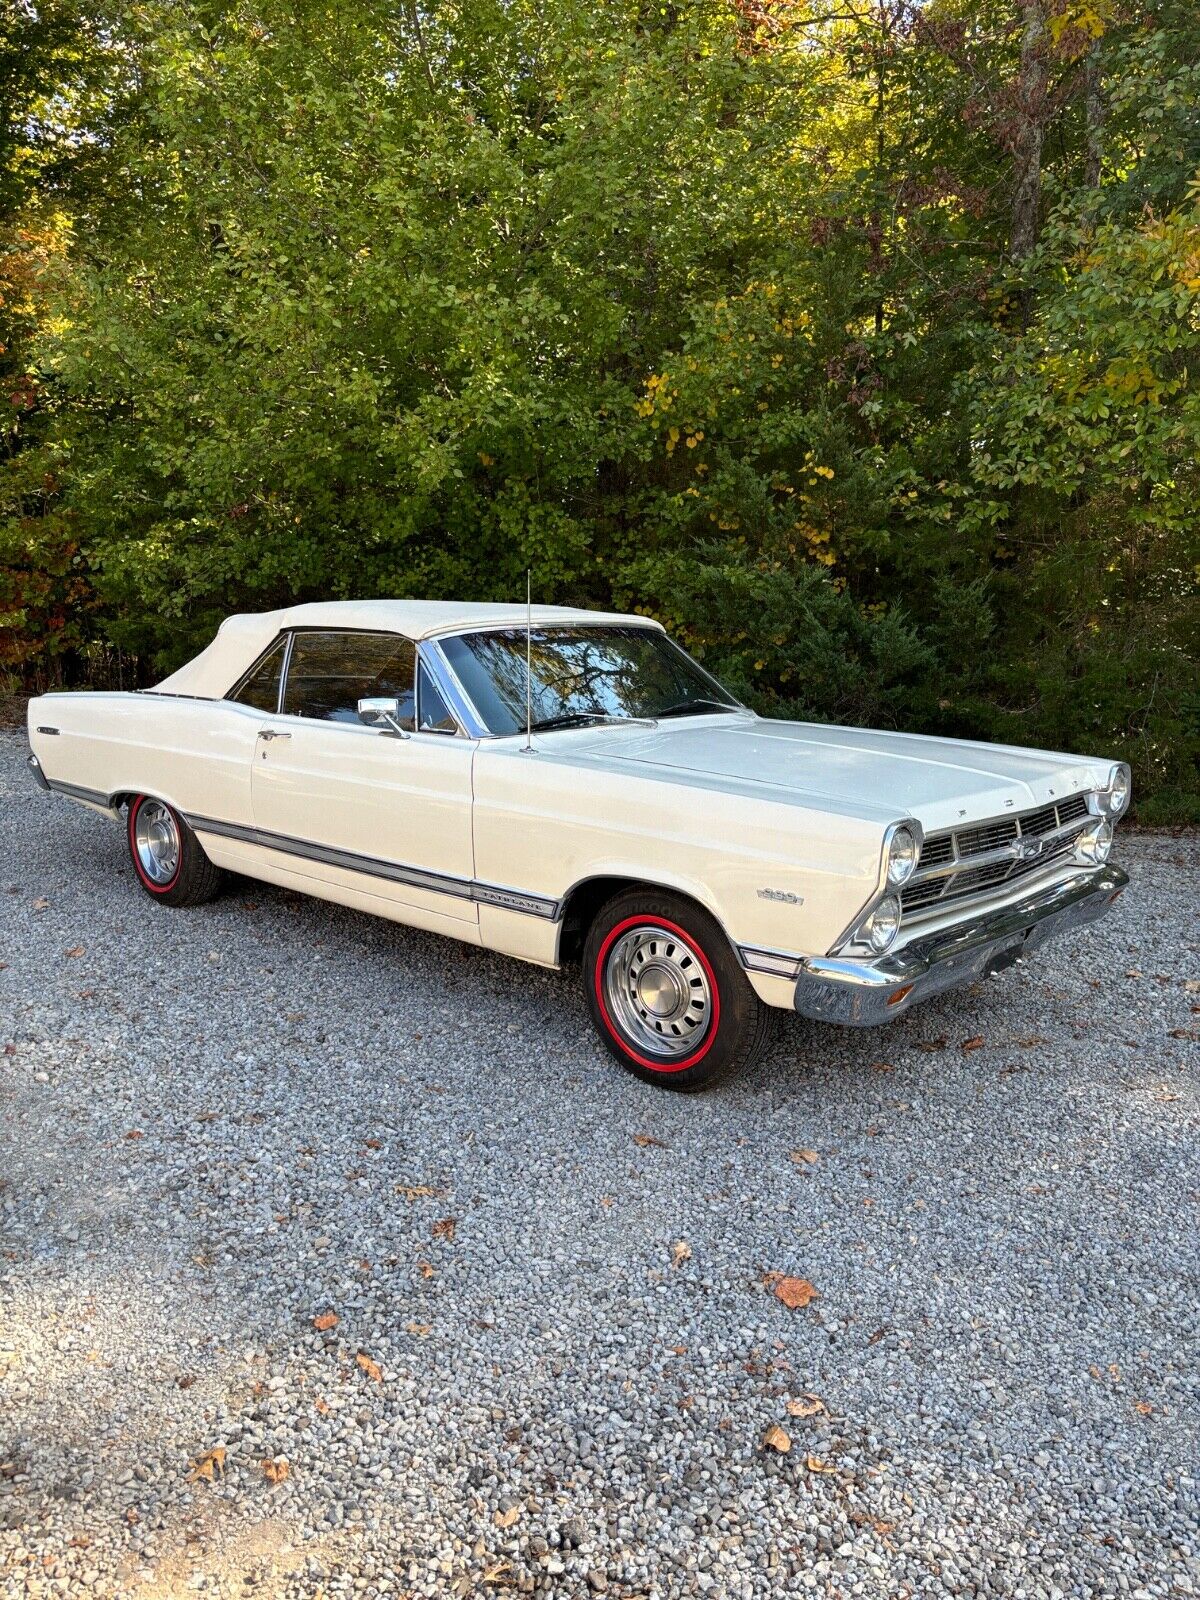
(528, 660)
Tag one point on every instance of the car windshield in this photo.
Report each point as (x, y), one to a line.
(580, 675)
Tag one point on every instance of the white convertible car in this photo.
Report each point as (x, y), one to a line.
(568, 785)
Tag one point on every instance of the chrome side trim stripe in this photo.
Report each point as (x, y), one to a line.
(76, 791)
(492, 894)
(778, 963)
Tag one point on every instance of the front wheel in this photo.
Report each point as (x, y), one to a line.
(167, 856)
(666, 993)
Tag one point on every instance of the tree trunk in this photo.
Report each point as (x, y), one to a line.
(1094, 105)
(1030, 113)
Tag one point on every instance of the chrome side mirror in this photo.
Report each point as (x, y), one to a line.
(382, 713)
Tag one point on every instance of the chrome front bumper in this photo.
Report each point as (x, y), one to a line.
(864, 993)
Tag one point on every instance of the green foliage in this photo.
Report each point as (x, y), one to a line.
(705, 310)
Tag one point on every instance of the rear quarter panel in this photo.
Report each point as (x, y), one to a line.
(195, 754)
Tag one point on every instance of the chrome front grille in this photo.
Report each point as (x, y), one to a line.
(985, 856)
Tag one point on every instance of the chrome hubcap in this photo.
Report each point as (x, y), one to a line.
(156, 839)
(657, 990)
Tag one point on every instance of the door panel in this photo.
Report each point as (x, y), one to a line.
(357, 799)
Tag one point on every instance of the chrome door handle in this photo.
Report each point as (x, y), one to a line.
(272, 733)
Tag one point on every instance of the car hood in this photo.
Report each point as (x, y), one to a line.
(941, 782)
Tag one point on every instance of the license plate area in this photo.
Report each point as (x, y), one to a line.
(1007, 956)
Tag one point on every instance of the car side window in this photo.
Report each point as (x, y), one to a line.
(329, 673)
(433, 714)
(260, 688)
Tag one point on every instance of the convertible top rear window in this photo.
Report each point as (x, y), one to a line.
(578, 675)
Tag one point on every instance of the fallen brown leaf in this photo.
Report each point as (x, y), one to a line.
(276, 1469)
(815, 1464)
(372, 1368)
(796, 1293)
(930, 1045)
(445, 1228)
(809, 1405)
(647, 1141)
(420, 1329)
(135, 1133)
(882, 1066)
(804, 1157)
(1185, 1033)
(973, 1044)
(75, 950)
(41, 903)
(373, 1144)
(326, 1320)
(505, 1519)
(681, 1251)
(1144, 1408)
(210, 1466)
(416, 1191)
(777, 1438)
(425, 1269)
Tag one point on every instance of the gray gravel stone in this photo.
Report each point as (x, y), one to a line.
(217, 1125)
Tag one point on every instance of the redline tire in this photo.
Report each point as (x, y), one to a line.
(666, 993)
(168, 859)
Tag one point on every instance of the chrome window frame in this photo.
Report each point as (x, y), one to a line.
(438, 670)
(231, 694)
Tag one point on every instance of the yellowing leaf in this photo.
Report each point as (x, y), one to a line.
(209, 1466)
(796, 1293)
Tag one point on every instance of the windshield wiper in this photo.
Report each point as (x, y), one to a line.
(583, 719)
(684, 708)
(570, 719)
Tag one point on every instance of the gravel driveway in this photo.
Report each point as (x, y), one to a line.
(313, 1190)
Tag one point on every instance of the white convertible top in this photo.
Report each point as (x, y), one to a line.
(241, 639)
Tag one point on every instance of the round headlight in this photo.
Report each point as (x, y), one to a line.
(882, 926)
(1094, 843)
(1118, 791)
(902, 856)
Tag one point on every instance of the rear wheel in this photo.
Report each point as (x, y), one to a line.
(167, 856)
(666, 993)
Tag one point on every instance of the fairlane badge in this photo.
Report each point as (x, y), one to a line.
(786, 895)
(1027, 848)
